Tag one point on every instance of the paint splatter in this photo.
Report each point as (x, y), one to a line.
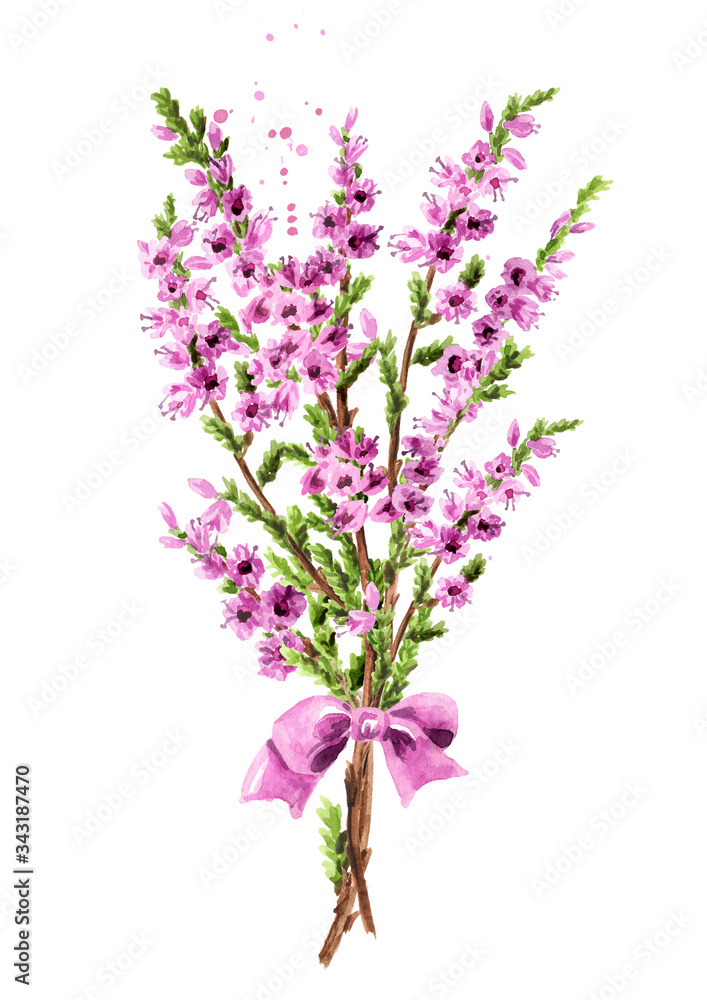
(285, 132)
(292, 231)
(301, 150)
(272, 133)
(220, 116)
(270, 37)
(284, 171)
(292, 218)
(322, 32)
(259, 95)
(318, 111)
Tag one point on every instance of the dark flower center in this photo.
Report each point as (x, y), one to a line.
(456, 300)
(245, 567)
(281, 609)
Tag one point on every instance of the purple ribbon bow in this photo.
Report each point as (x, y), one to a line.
(308, 738)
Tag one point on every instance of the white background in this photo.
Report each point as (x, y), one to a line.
(465, 868)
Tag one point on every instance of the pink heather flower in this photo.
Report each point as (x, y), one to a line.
(443, 251)
(514, 157)
(452, 545)
(171, 287)
(383, 511)
(221, 168)
(513, 435)
(485, 526)
(335, 135)
(272, 662)
(434, 211)
(350, 119)
(524, 311)
(411, 502)
(205, 205)
(521, 126)
(214, 135)
(179, 399)
(368, 324)
(344, 480)
(582, 227)
(350, 516)
(164, 133)
(247, 272)
(374, 481)
(156, 257)
(199, 294)
(282, 605)
(361, 195)
(283, 401)
(508, 492)
(373, 597)
(213, 340)
(366, 450)
(495, 181)
(357, 623)
(453, 592)
(500, 467)
(488, 330)
(174, 356)
(560, 223)
(498, 299)
(544, 447)
(203, 487)
(257, 311)
(361, 241)
(424, 534)
(417, 445)
(318, 374)
(243, 614)
(171, 542)
(423, 471)
(344, 444)
(182, 234)
(217, 516)
(468, 477)
(209, 382)
(218, 243)
(452, 506)
(486, 117)
(158, 321)
(330, 222)
(518, 271)
(479, 156)
(542, 287)
(354, 149)
(531, 474)
(455, 302)
(168, 515)
(323, 268)
(449, 174)
(288, 308)
(411, 245)
(252, 412)
(457, 365)
(332, 340)
(314, 480)
(244, 567)
(259, 232)
(475, 224)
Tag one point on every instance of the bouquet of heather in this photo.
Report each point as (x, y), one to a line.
(299, 342)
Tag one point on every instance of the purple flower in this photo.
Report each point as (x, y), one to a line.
(357, 623)
(500, 467)
(411, 502)
(475, 224)
(486, 117)
(544, 447)
(485, 526)
(361, 240)
(521, 126)
(423, 471)
(443, 251)
(270, 656)
(350, 516)
(318, 374)
(453, 592)
(479, 156)
(243, 613)
(455, 302)
(383, 511)
(451, 545)
(244, 567)
(283, 605)
(162, 132)
(252, 412)
(513, 436)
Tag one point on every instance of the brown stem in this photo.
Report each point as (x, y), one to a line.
(404, 370)
(342, 395)
(305, 562)
(324, 400)
(409, 613)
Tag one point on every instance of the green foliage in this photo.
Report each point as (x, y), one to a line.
(190, 146)
(419, 299)
(515, 106)
(395, 398)
(423, 582)
(223, 432)
(541, 428)
(352, 294)
(475, 568)
(400, 554)
(163, 223)
(277, 453)
(243, 378)
(511, 357)
(421, 629)
(589, 193)
(228, 320)
(473, 272)
(319, 420)
(380, 637)
(403, 665)
(358, 367)
(334, 846)
(432, 352)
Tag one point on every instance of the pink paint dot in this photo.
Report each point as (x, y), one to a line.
(318, 111)
(220, 116)
(292, 218)
(283, 171)
(261, 182)
(285, 132)
(322, 32)
(284, 182)
(270, 37)
(301, 150)
(259, 95)
(272, 133)
(291, 206)
(292, 231)
(297, 26)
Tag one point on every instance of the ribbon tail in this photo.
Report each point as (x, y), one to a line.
(269, 777)
(413, 768)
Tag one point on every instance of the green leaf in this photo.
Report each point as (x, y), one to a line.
(419, 299)
(334, 847)
(472, 570)
(357, 367)
(586, 194)
(427, 356)
(395, 399)
(515, 106)
(223, 432)
(230, 322)
(423, 582)
(163, 223)
(473, 272)
(319, 420)
(243, 378)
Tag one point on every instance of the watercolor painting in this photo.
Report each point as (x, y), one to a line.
(298, 343)
(350, 572)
